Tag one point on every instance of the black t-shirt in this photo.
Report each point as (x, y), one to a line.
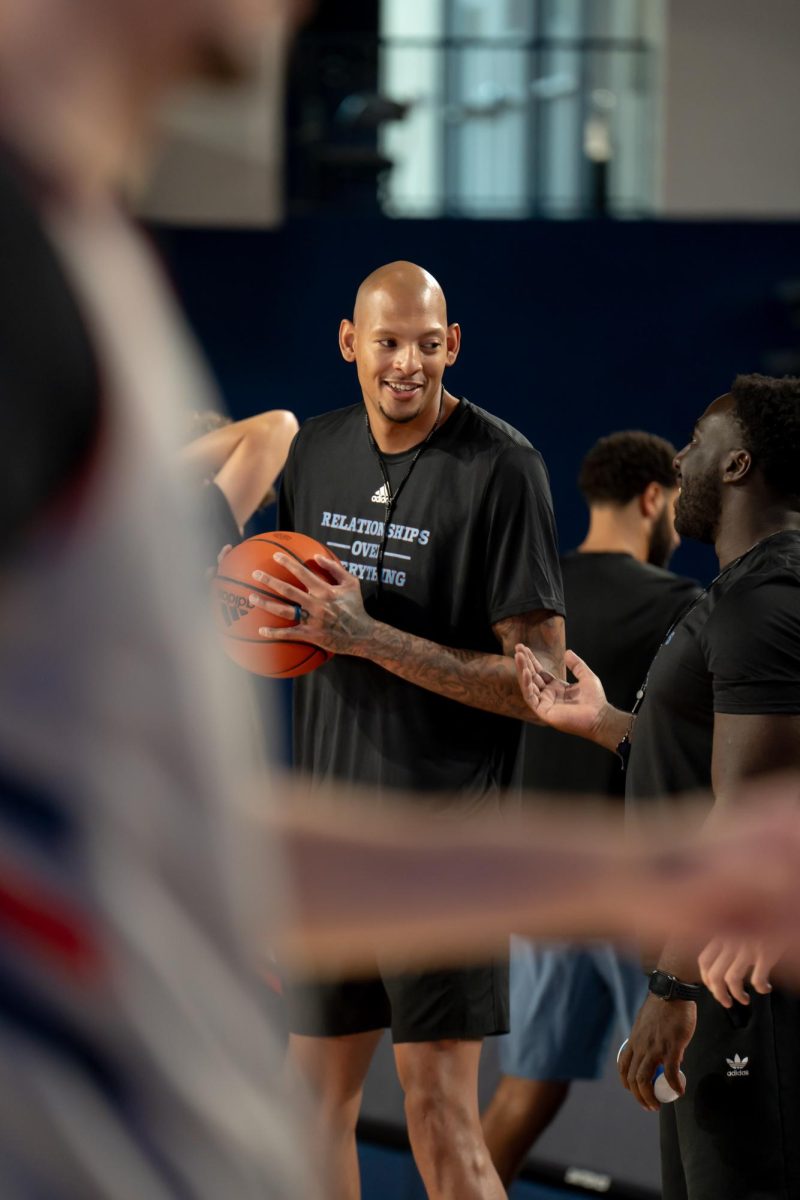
(49, 385)
(471, 541)
(618, 611)
(736, 651)
(216, 516)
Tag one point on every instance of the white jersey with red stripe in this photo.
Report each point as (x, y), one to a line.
(135, 1059)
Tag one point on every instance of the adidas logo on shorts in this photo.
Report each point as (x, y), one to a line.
(737, 1066)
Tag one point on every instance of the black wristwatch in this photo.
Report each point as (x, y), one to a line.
(668, 987)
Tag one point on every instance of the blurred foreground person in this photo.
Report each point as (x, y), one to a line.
(721, 704)
(620, 600)
(135, 1060)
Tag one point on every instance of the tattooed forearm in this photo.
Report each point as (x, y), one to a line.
(542, 631)
(486, 681)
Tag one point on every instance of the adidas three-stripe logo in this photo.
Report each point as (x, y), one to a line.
(230, 613)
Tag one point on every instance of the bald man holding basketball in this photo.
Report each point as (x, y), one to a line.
(441, 516)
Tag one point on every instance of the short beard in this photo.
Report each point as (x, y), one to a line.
(699, 508)
(404, 420)
(661, 547)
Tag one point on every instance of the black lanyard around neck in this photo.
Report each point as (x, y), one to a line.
(390, 497)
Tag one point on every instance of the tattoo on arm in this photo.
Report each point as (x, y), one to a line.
(486, 681)
(543, 631)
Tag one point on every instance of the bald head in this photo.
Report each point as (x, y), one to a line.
(401, 342)
(401, 285)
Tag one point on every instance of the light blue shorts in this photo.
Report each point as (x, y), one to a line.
(565, 1002)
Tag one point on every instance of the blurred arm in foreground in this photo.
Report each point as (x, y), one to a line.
(432, 889)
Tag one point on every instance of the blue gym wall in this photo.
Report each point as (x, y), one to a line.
(570, 329)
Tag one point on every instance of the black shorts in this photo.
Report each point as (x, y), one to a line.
(734, 1135)
(468, 1003)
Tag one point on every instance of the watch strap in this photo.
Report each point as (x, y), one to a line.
(669, 987)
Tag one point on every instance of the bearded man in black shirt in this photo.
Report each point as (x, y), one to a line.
(441, 514)
(621, 600)
(721, 704)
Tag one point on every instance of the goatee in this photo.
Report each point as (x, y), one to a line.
(401, 420)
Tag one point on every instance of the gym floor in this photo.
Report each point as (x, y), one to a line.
(388, 1173)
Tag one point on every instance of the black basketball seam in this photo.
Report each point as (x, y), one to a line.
(253, 588)
(302, 663)
(286, 550)
(269, 542)
(295, 666)
(269, 641)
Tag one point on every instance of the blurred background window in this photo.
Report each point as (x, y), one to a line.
(479, 108)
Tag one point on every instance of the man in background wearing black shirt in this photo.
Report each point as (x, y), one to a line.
(620, 602)
(721, 705)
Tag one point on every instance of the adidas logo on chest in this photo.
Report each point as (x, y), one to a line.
(381, 496)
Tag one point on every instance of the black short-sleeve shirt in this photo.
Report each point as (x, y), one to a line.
(471, 541)
(217, 519)
(618, 611)
(737, 650)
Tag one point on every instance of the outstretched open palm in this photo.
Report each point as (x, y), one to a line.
(569, 707)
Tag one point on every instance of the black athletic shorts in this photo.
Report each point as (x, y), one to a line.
(467, 1004)
(735, 1135)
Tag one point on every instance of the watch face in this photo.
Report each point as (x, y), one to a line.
(661, 984)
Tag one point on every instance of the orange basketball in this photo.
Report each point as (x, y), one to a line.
(239, 621)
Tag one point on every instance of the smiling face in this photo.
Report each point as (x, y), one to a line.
(701, 467)
(401, 344)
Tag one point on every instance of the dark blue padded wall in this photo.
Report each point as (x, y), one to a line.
(570, 329)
